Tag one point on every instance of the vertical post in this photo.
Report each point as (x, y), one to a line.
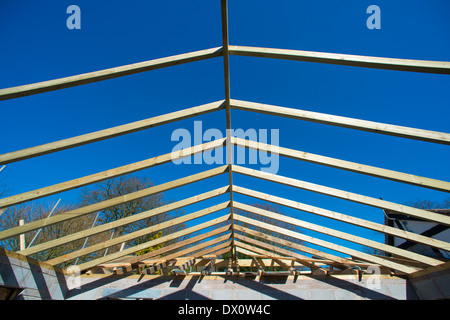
(226, 65)
(22, 236)
(39, 231)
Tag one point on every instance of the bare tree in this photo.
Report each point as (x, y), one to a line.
(120, 186)
(33, 211)
(429, 204)
(36, 211)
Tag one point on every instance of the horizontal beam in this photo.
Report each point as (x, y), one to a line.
(351, 123)
(327, 244)
(435, 243)
(124, 221)
(338, 234)
(108, 133)
(439, 67)
(354, 197)
(112, 202)
(346, 165)
(106, 74)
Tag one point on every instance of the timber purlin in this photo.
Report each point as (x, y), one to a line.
(236, 235)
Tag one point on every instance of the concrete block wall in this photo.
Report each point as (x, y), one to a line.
(344, 287)
(432, 284)
(38, 280)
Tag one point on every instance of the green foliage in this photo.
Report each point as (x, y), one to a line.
(150, 249)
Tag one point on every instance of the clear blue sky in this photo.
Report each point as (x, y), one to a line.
(37, 46)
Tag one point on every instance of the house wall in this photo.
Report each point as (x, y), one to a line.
(42, 281)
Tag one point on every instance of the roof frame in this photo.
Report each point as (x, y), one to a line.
(226, 242)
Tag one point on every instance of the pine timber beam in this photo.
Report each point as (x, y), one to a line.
(345, 218)
(346, 165)
(300, 258)
(137, 234)
(354, 197)
(182, 268)
(112, 202)
(341, 262)
(108, 174)
(113, 256)
(328, 245)
(106, 74)
(183, 243)
(154, 268)
(123, 222)
(108, 133)
(226, 72)
(351, 123)
(224, 245)
(339, 234)
(438, 67)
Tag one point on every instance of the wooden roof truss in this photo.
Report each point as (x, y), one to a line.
(202, 250)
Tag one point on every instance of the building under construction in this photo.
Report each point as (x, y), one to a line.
(230, 257)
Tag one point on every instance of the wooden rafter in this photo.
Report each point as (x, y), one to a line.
(124, 221)
(137, 234)
(336, 259)
(109, 257)
(354, 197)
(108, 133)
(439, 67)
(108, 174)
(112, 202)
(339, 234)
(345, 218)
(370, 126)
(183, 243)
(347, 165)
(72, 81)
(328, 245)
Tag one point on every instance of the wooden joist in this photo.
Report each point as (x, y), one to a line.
(259, 265)
(183, 267)
(339, 234)
(138, 234)
(108, 133)
(147, 270)
(90, 77)
(108, 174)
(112, 202)
(123, 222)
(351, 123)
(347, 165)
(336, 259)
(326, 244)
(184, 243)
(345, 218)
(439, 67)
(354, 197)
(113, 256)
(257, 245)
(207, 264)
